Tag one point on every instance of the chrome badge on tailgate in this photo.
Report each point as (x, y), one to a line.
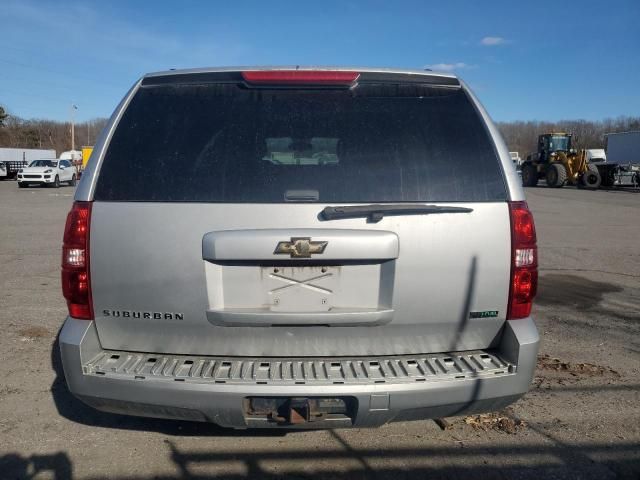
(300, 247)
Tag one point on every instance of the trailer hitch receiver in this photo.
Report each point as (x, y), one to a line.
(298, 410)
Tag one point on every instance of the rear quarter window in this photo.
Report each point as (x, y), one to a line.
(228, 143)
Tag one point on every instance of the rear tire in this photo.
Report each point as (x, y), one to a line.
(529, 175)
(591, 178)
(556, 175)
(72, 182)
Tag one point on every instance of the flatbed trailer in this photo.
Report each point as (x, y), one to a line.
(12, 166)
(619, 175)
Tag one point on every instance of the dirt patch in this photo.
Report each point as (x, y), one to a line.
(33, 333)
(504, 421)
(552, 370)
(7, 390)
(546, 362)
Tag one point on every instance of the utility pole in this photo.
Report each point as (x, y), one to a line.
(73, 127)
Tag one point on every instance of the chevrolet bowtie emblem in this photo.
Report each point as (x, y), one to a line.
(300, 247)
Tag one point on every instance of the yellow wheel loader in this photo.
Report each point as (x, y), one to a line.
(559, 164)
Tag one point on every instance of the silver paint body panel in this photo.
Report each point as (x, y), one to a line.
(149, 257)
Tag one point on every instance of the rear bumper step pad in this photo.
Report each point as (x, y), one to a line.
(301, 371)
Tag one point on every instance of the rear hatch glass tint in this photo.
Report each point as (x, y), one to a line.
(228, 143)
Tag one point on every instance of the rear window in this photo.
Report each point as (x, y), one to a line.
(229, 143)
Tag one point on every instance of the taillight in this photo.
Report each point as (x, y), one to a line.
(524, 261)
(289, 77)
(76, 281)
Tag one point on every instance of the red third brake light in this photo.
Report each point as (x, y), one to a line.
(293, 77)
(76, 282)
(524, 261)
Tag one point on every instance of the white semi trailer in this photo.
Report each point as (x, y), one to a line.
(623, 147)
(13, 159)
(622, 164)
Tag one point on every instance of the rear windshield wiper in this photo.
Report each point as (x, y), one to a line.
(375, 213)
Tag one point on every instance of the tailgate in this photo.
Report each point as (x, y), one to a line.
(208, 279)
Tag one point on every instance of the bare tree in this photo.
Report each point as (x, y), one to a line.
(36, 133)
(3, 116)
(520, 136)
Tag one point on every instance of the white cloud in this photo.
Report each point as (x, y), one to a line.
(492, 41)
(448, 67)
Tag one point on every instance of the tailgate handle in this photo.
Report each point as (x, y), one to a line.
(261, 245)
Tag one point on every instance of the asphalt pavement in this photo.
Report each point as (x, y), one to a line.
(581, 418)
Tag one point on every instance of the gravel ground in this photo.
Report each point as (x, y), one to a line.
(581, 418)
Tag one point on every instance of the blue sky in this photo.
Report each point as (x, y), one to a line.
(544, 60)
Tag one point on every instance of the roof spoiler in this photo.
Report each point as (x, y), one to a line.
(292, 77)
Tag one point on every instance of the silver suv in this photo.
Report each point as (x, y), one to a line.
(299, 247)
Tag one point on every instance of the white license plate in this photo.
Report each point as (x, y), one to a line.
(302, 289)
